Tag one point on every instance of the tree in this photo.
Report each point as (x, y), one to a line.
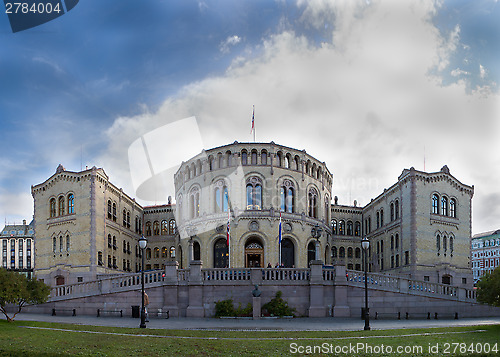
(17, 289)
(488, 288)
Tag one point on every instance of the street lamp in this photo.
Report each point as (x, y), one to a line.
(365, 244)
(316, 233)
(142, 244)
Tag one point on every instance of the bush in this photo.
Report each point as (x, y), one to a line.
(225, 308)
(278, 307)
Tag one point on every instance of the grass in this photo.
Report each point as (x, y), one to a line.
(18, 340)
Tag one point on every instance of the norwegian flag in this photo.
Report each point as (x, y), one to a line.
(228, 227)
(253, 120)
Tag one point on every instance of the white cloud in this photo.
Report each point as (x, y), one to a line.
(228, 42)
(366, 103)
(457, 72)
(482, 72)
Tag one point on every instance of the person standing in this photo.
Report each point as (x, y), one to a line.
(146, 303)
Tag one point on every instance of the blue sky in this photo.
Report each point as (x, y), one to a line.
(361, 85)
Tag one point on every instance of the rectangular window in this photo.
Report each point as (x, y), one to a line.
(464, 280)
(407, 257)
(79, 279)
(12, 253)
(426, 278)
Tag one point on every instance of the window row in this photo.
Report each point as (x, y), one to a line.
(340, 228)
(20, 253)
(444, 206)
(61, 244)
(341, 253)
(62, 206)
(167, 228)
(165, 253)
(444, 244)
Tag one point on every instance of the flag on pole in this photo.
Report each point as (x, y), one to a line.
(280, 230)
(228, 227)
(253, 120)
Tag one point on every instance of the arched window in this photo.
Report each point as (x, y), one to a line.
(61, 206)
(128, 219)
(124, 217)
(54, 244)
(349, 252)
(221, 161)
(156, 228)
(381, 217)
(378, 220)
(341, 227)
(110, 214)
(397, 241)
(172, 252)
(451, 245)
(244, 158)
(287, 197)
(221, 197)
(396, 209)
(229, 158)
(194, 203)
(164, 252)
(60, 244)
(327, 208)
(342, 252)
(114, 211)
(357, 253)
(156, 252)
(334, 226)
(254, 193)
(196, 251)
(279, 156)
(438, 243)
(392, 212)
(148, 253)
(52, 207)
(288, 163)
(254, 157)
(444, 206)
(221, 254)
(392, 242)
(297, 163)
(171, 227)
(211, 162)
(148, 229)
(164, 227)
(334, 252)
(67, 243)
(453, 208)
(263, 157)
(311, 252)
(313, 203)
(349, 228)
(357, 228)
(71, 203)
(444, 245)
(435, 204)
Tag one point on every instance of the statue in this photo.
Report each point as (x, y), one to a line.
(256, 292)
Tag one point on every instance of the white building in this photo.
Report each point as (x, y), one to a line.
(485, 253)
(17, 242)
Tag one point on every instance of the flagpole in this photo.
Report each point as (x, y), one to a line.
(279, 238)
(253, 123)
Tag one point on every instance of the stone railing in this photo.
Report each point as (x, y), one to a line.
(280, 274)
(221, 274)
(275, 276)
(409, 286)
(108, 285)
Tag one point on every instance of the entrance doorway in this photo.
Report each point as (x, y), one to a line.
(59, 280)
(287, 253)
(446, 279)
(254, 254)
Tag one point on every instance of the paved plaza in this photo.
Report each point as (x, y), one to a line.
(265, 324)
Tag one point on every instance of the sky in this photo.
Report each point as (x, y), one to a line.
(369, 87)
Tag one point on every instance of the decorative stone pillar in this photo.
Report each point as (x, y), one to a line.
(316, 290)
(340, 305)
(257, 305)
(195, 290)
(190, 251)
(170, 289)
(318, 252)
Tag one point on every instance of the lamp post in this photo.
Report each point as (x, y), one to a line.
(316, 233)
(142, 244)
(365, 244)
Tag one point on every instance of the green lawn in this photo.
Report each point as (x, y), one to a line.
(18, 340)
